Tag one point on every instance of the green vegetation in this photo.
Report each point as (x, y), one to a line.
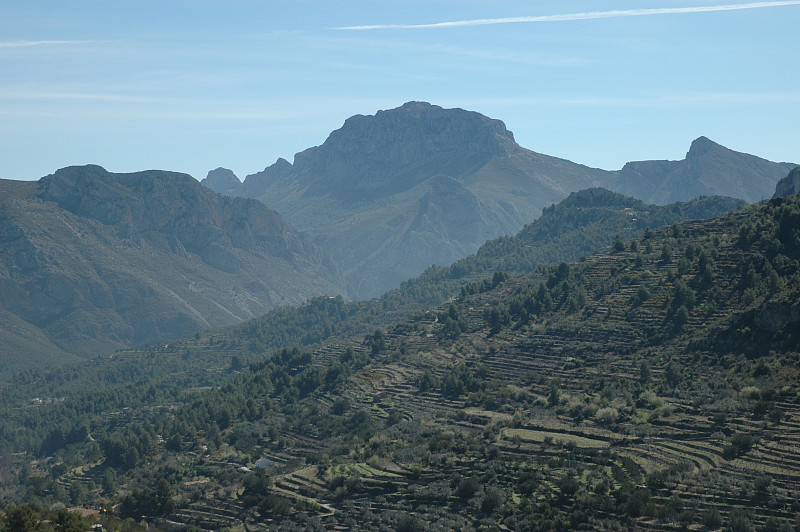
(628, 390)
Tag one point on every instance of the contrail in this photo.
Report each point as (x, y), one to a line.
(24, 44)
(578, 16)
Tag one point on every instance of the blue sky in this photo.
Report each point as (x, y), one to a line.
(192, 85)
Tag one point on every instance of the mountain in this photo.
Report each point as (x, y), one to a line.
(389, 194)
(223, 181)
(583, 223)
(708, 169)
(789, 185)
(94, 261)
(628, 390)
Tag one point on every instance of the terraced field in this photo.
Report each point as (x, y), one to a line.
(675, 448)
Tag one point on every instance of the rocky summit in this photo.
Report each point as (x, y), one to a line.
(224, 181)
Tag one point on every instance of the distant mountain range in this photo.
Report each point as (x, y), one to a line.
(390, 194)
(93, 261)
(708, 169)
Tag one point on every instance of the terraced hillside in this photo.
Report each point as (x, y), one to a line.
(653, 386)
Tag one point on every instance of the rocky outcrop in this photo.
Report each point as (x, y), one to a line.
(775, 316)
(789, 185)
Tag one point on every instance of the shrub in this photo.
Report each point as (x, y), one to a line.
(607, 415)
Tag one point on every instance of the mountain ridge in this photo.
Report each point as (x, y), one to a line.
(98, 261)
(359, 192)
(707, 169)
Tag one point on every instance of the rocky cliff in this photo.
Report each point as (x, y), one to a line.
(789, 185)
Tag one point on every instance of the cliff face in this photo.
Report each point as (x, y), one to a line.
(94, 261)
(789, 185)
(392, 151)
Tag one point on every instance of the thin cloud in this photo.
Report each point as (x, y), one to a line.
(89, 96)
(25, 44)
(578, 16)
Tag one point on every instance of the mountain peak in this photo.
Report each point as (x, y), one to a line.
(412, 131)
(708, 169)
(416, 108)
(701, 146)
(392, 150)
(223, 181)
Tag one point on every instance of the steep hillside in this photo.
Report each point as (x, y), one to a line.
(651, 386)
(93, 262)
(708, 169)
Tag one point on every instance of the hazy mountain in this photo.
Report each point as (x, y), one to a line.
(390, 194)
(93, 261)
(223, 181)
(708, 169)
(789, 185)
